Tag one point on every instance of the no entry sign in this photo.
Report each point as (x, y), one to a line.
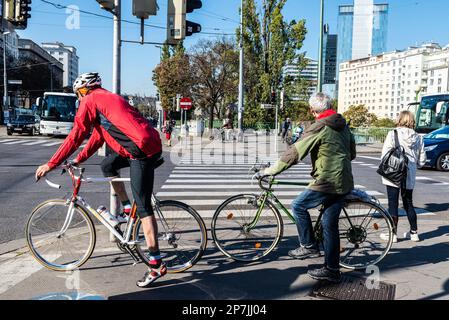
(185, 103)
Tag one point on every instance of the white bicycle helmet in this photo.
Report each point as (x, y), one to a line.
(87, 80)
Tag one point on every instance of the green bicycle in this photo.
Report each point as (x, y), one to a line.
(247, 227)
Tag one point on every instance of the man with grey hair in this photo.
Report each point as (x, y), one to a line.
(332, 148)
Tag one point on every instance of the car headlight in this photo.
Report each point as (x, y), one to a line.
(430, 148)
(30, 125)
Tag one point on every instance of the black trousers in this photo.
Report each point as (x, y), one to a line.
(142, 178)
(407, 201)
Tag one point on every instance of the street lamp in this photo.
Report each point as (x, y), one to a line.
(418, 89)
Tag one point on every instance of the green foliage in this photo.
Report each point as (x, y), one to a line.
(270, 43)
(384, 123)
(358, 116)
(173, 76)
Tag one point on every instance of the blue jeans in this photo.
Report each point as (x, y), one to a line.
(333, 204)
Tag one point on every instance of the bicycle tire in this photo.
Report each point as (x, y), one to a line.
(169, 242)
(37, 248)
(251, 248)
(354, 235)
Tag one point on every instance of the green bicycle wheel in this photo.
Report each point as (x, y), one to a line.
(239, 235)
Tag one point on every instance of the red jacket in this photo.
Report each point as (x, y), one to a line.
(115, 122)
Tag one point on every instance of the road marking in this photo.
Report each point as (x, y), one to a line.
(17, 142)
(218, 181)
(6, 140)
(35, 142)
(365, 164)
(52, 144)
(372, 158)
(224, 186)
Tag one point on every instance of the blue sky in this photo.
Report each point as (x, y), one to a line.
(411, 22)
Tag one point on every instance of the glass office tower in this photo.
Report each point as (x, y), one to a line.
(362, 30)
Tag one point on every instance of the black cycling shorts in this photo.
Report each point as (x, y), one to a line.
(142, 178)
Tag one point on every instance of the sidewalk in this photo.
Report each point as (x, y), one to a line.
(418, 270)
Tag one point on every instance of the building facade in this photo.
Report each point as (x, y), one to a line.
(68, 57)
(387, 83)
(363, 26)
(309, 73)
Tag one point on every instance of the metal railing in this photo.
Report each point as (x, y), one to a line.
(370, 134)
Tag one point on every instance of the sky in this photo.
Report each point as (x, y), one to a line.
(411, 22)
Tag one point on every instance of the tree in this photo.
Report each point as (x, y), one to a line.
(384, 123)
(358, 116)
(214, 66)
(173, 76)
(270, 43)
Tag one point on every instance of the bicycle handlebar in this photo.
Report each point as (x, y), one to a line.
(51, 184)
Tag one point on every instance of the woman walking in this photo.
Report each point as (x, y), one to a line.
(414, 149)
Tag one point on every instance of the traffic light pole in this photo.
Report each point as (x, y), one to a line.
(116, 68)
(320, 54)
(241, 79)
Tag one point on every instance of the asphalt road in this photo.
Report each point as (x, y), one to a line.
(19, 193)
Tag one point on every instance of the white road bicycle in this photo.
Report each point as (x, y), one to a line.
(61, 234)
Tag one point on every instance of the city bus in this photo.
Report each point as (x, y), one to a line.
(57, 112)
(432, 112)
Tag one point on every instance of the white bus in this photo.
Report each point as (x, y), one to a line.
(57, 112)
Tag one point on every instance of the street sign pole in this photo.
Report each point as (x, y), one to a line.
(277, 129)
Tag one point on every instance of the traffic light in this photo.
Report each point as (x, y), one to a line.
(178, 28)
(144, 8)
(21, 13)
(107, 5)
(273, 98)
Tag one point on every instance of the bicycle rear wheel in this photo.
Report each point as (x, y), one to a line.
(361, 224)
(239, 234)
(52, 246)
(182, 236)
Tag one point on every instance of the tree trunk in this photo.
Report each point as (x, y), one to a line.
(211, 118)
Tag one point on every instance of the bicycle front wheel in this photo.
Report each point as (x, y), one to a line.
(58, 239)
(182, 236)
(361, 225)
(243, 235)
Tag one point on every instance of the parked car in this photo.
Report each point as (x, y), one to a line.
(436, 145)
(23, 123)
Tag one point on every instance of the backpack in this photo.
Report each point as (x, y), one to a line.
(393, 165)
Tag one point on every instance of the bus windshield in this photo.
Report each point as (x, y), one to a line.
(59, 108)
(432, 113)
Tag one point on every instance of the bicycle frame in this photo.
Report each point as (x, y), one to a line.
(268, 193)
(76, 199)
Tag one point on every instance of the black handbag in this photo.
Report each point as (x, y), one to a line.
(393, 165)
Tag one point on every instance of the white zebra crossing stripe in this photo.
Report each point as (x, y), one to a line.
(35, 143)
(8, 140)
(221, 186)
(17, 142)
(52, 144)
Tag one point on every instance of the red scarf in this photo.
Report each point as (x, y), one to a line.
(326, 114)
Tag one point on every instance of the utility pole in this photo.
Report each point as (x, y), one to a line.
(241, 87)
(320, 55)
(5, 78)
(117, 45)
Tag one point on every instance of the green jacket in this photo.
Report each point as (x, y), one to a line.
(331, 146)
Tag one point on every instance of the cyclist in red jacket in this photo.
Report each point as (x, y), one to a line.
(136, 144)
